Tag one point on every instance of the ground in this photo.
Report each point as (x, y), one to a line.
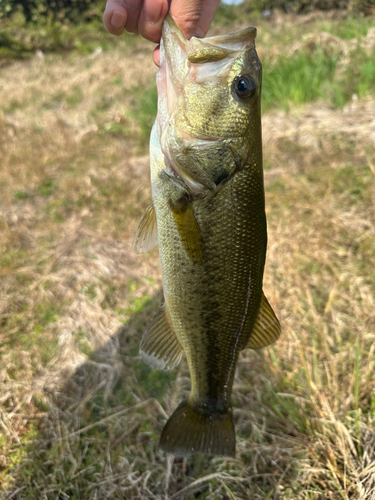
(80, 412)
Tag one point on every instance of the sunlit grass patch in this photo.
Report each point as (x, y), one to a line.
(28, 335)
(298, 79)
(305, 77)
(227, 15)
(347, 28)
(144, 111)
(364, 75)
(16, 453)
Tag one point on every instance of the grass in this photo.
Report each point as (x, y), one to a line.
(348, 28)
(144, 111)
(301, 78)
(81, 414)
(20, 40)
(332, 72)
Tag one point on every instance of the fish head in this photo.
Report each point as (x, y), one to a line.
(208, 104)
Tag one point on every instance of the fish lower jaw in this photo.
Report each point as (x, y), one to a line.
(196, 189)
(174, 176)
(169, 170)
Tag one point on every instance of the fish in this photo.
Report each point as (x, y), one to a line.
(208, 219)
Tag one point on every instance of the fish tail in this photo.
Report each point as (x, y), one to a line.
(189, 431)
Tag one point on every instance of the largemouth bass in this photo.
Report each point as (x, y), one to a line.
(208, 217)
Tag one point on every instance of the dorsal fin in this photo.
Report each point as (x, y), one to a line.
(267, 327)
(146, 233)
(160, 347)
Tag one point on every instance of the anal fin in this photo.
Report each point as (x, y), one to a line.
(146, 233)
(266, 329)
(160, 347)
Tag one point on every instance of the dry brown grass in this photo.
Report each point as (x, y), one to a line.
(80, 413)
(326, 291)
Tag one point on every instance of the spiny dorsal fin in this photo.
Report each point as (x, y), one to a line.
(160, 347)
(267, 327)
(188, 228)
(146, 233)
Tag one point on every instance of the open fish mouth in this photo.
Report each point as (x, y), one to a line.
(195, 61)
(203, 118)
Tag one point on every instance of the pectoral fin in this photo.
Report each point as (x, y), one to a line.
(267, 327)
(146, 233)
(188, 228)
(160, 347)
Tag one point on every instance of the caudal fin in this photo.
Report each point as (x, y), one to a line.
(189, 431)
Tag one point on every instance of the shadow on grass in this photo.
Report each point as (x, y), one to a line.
(65, 461)
(97, 438)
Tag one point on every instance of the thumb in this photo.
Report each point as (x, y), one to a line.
(187, 14)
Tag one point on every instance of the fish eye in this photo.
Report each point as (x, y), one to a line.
(244, 86)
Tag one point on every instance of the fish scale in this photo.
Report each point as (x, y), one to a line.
(208, 218)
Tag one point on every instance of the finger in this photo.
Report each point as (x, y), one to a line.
(208, 12)
(115, 9)
(151, 19)
(133, 8)
(156, 56)
(186, 14)
(114, 17)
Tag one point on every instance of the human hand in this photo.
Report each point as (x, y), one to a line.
(146, 17)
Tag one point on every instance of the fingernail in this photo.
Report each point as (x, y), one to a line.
(199, 33)
(156, 56)
(118, 19)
